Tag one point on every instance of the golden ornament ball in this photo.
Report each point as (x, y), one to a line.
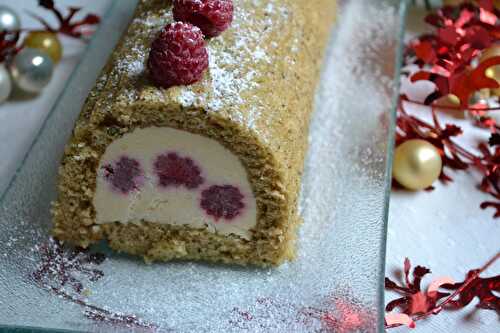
(47, 42)
(417, 164)
(450, 104)
(494, 71)
(447, 101)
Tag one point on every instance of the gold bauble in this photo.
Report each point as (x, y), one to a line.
(47, 42)
(417, 164)
(450, 103)
(448, 100)
(492, 72)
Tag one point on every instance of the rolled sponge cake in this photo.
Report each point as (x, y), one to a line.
(209, 171)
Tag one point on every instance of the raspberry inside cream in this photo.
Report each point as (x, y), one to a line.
(169, 176)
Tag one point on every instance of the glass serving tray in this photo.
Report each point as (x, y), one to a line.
(334, 284)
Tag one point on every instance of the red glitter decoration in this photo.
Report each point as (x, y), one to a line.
(212, 16)
(173, 170)
(482, 288)
(337, 313)
(178, 56)
(346, 317)
(446, 57)
(414, 301)
(461, 83)
(416, 305)
(60, 267)
(222, 201)
(124, 175)
(461, 33)
(117, 319)
(489, 163)
(67, 24)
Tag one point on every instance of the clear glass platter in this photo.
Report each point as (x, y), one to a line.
(340, 266)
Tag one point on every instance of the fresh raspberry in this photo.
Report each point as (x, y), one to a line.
(211, 16)
(173, 170)
(222, 201)
(124, 175)
(178, 55)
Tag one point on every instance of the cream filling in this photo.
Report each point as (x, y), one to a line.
(177, 204)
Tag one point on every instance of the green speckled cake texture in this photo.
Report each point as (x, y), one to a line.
(255, 99)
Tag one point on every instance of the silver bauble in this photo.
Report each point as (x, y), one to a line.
(31, 70)
(5, 84)
(9, 20)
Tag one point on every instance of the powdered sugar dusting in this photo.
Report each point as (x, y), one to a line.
(133, 63)
(232, 75)
(269, 8)
(154, 21)
(187, 98)
(259, 54)
(231, 62)
(133, 67)
(227, 84)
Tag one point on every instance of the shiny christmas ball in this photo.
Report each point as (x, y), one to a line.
(450, 104)
(47, 42)
(9, 21)
(449, 100)
(5, 83)
(494, 71)
(31, 70)
(417, 164)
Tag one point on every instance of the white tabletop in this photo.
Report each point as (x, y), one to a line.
(444, 229)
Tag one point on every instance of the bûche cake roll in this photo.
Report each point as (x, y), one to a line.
(207, 171)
